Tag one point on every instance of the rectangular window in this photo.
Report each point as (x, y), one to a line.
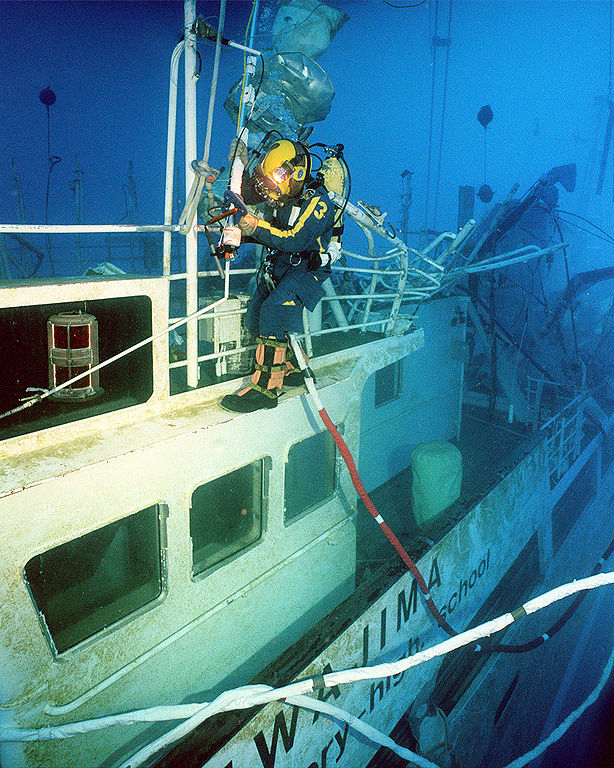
(85, 585)
(311, 474)
(226, 515)
(388, 383)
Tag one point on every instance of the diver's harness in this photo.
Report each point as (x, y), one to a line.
(265, 273)
(313, 258)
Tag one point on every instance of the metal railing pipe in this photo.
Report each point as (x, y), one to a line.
(191, 251)
(170, 155)
(35, 229)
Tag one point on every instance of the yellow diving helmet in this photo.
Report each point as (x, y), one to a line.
(282, 172)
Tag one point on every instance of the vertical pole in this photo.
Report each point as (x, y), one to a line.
(191, 257)
(170, 155)
(606, 147)
(216, 65)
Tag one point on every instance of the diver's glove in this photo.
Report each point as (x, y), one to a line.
(238, 149)
(334, 251)
(248, 224)
(236, 201)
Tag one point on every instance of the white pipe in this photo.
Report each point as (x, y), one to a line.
(373, 254)
(294, 693)
(331, 295)
(188, 216)
(361, 270)
(391, 254)
(34, 229)
(191, 250)
(170, 155)
(364, 220)
(505, 260)
(238, 350)
(359, 296)
(245, 48)
(396, 304)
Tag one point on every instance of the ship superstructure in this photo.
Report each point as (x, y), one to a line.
(160, 551)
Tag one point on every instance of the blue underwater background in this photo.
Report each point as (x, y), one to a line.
(410, 80)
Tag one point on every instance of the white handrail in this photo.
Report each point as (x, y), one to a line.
(36, 229)
(170, 156)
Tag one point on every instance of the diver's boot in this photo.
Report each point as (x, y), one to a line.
(267, 379)
(294, 376)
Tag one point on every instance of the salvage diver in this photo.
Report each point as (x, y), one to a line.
(297, 233)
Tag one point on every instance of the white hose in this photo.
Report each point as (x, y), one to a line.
(249, 696)
(373, 734)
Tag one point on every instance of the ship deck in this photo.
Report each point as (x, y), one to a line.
(489, 447)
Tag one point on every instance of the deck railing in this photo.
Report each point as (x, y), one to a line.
(563, 437)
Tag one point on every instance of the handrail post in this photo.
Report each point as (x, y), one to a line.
(191, 253)
(396, 304)
(170, 155)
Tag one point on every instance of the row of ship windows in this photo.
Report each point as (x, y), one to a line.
(85, 585)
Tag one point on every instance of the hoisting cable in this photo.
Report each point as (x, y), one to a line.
(447, 41)
(294, 694)
(432, 116)
(356, 481)
(608, 237)
(571, 310)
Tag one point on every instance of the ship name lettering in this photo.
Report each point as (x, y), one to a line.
(413, 646)
(325, 693)
(378, 690)
(341, 738)
(404, 608)
(267, 756)
(465, 585)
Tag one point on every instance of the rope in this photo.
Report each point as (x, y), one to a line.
(47, 393)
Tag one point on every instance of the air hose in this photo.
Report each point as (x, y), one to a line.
(411, 565)
(360, 489)
(558, 624)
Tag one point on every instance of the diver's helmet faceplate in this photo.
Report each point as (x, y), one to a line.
(281, 174)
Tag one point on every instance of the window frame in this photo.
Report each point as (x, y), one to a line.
(105, 631)
(265, 469)
(397, 365)
(336, 479)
